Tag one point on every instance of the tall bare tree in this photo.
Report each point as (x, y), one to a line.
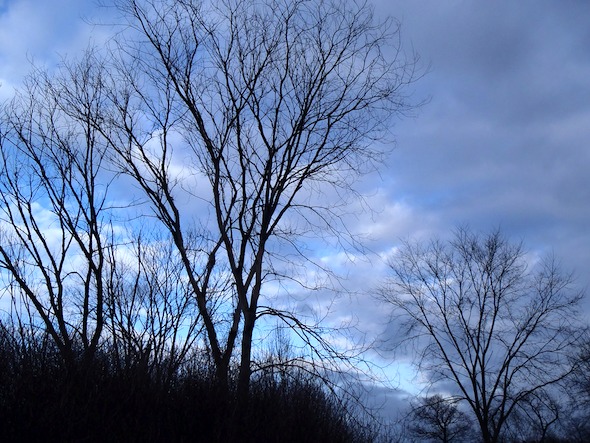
(257, 109)
(55, 231)
(501, 330)
(68, 256)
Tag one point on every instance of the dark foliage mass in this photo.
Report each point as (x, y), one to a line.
(42, 401)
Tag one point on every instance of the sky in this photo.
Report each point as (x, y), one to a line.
(503, 139)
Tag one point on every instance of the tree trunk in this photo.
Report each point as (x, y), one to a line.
(243, 388)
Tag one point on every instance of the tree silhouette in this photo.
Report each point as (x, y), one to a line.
(500, 330)
(435, 418)
(267, 106)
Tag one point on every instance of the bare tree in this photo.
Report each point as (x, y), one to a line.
(499, 329)
(575, 418)
(55, 231)
(256, 109)
(436, 418)
(67, 271)
(151, 316)
(536, 419)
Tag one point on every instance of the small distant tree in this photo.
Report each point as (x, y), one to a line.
(500, 329)
(151, 318)
(437, 419)
(581, 380)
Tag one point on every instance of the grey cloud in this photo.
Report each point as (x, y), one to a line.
(505, 140)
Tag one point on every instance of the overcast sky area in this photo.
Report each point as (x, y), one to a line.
(503, 141)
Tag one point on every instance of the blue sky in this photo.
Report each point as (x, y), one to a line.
(503, 141)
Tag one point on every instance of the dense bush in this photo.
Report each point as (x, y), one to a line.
(42, 401)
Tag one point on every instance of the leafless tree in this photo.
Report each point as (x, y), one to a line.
(55, 231)
(438, 419)
(537, 418)
(575, 419)
(151, 316)
(250, 112)
(581, 381)
(500, 329)
(68, 255)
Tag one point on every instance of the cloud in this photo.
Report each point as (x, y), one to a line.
(44, 32)
(504, 140)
